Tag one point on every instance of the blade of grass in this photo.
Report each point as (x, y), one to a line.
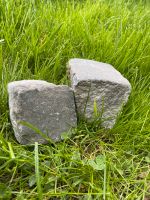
(37, 173)
(12, 155)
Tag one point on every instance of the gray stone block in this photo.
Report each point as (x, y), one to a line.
(101, 83)
(47, 107)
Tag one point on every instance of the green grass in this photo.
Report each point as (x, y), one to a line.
(39, 38)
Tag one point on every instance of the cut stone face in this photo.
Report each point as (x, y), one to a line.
(47, 107)
(99, 84)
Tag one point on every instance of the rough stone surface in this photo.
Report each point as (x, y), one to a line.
(48, 107)
(98, 82)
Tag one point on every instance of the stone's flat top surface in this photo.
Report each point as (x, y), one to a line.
(84, 70)
(33, 84)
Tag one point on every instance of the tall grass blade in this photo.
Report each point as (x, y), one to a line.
(37, 172)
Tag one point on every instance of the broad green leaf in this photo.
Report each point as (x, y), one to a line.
(93, 164)
(76, 155)
(98, 163)
(147, 159)
(100, 160)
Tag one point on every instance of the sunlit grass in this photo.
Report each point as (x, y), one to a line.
(37, 38)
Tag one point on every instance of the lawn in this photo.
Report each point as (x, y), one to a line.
(37, 38)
